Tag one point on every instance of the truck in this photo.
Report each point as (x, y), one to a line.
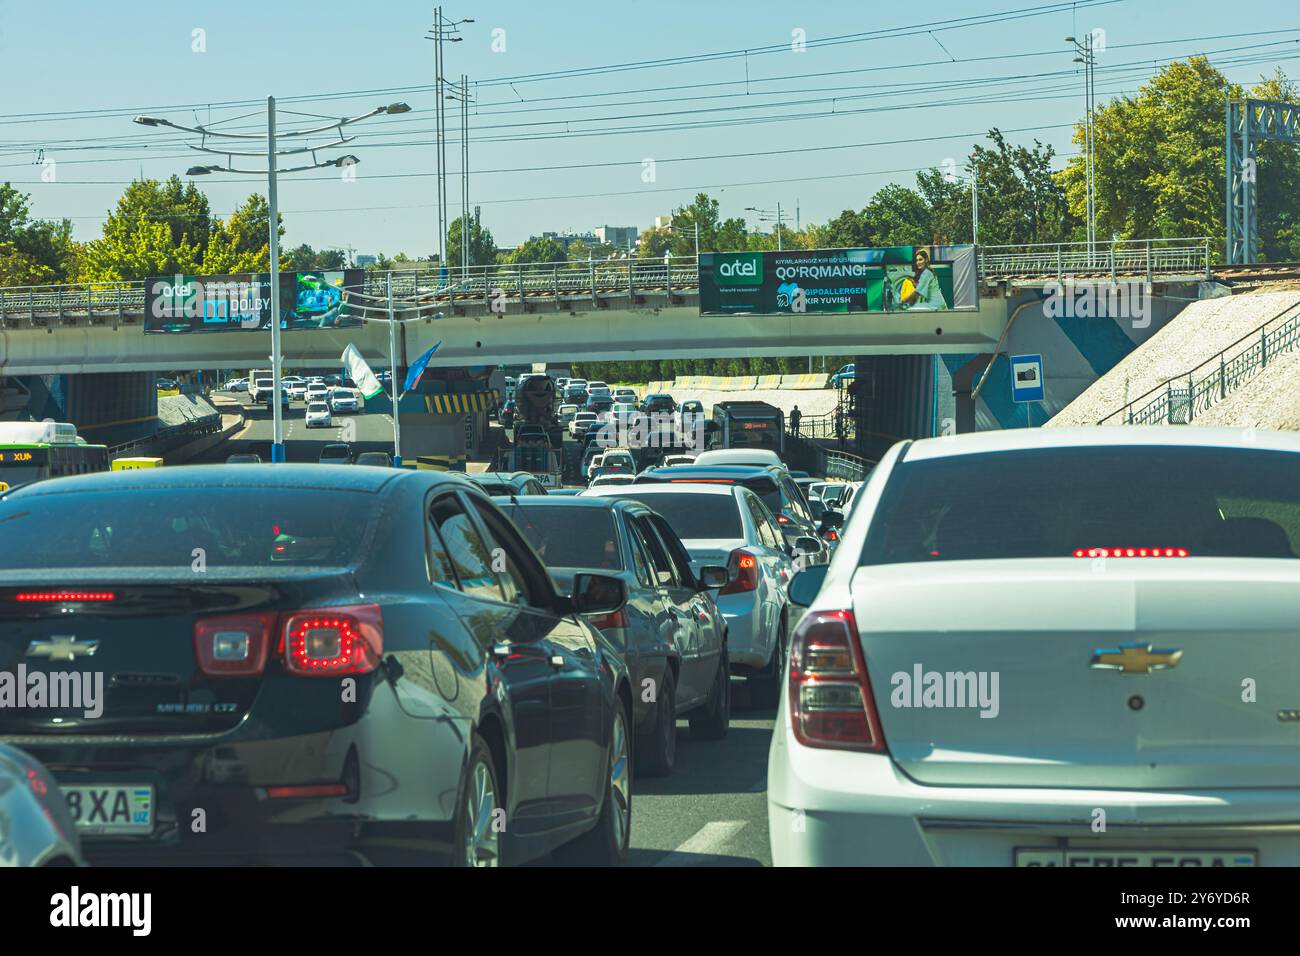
(747, 425)
(538, 445)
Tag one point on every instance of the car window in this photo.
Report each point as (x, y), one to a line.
(665, 569)
(762, 522)
(673, 545)
(640, 554)
(507, 546)
(469, 556)
(794, 498)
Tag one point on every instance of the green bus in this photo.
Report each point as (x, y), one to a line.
(32, 451)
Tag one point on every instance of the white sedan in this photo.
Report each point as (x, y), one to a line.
(318, 415)
(1051, 647)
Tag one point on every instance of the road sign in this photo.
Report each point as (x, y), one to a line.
(1026, 378)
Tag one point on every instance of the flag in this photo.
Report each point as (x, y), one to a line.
(360, 372)
(417, 369)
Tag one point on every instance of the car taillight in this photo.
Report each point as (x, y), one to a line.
(831, 704)
(604, 622)
(58, 597)
(1131, 553)
(235, 645)
(830, 534)
(334, 640)
(782, 519)
(743, 568)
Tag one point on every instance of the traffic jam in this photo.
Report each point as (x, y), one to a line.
(295, 664)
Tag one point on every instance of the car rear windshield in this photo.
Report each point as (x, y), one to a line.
(695, 515)
(566, 537)
(1063, 502)
(183, 529)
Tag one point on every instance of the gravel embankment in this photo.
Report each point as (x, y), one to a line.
(1196, 334)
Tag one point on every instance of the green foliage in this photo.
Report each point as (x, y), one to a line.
(32, 251)
(537, 249)
(482, 247)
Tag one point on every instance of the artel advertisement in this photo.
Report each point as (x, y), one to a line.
(233, 303)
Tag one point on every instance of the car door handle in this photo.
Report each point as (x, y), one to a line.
(501, 649)
(557, 660)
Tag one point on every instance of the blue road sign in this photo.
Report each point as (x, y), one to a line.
(1026, 378)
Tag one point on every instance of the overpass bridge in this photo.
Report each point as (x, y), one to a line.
(608, 310)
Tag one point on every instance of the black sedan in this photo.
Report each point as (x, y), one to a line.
(303, 664)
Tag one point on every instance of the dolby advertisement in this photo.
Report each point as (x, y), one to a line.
(890, 279)
(233, 303)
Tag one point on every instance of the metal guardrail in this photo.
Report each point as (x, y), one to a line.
(848, 467)
(166, 438)
(607, 278)
(1178, 400)
(825, 426)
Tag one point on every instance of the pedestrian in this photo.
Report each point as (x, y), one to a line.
(795, 417)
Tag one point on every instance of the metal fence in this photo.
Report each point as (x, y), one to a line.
(613, 277)
(1177, 401)
(847, 467)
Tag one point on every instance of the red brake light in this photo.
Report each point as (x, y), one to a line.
(235, 645)
(310, 790)
(64, 596)
(333, 640)
(1131, 553)
(603, 622)
(782, 519)
(831, 703)
(743, 568)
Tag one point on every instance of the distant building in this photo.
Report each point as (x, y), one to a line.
(620, 237)
(664, 222)
(566, 239)
(364, 262)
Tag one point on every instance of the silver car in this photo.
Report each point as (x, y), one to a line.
(36, 828)
(670, 632)
(729, 525)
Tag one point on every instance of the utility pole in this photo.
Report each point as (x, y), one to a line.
(1087, 56)
(975, 206)
(460, 92)
(447, 30)
(392, 376)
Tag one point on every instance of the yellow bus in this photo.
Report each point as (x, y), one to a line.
(132, 464)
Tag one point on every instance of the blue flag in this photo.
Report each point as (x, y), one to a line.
(417, 368)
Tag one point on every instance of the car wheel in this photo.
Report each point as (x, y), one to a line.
(606, 843)
(477, 841)
(712, 721)
(766, 687)
(657, 748)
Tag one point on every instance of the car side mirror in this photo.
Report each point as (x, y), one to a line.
(598, 593)
(806, 584)
(832, 519)
(807, 545)
(713, 576)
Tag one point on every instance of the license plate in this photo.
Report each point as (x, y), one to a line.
(1031, 856)
(111, 808)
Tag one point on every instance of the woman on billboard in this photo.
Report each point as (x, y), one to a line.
(921, 293)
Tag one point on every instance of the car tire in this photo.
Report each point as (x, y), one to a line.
(713, 720)
(657, 748)
(766, 687)
(606, 843)
(476, 841)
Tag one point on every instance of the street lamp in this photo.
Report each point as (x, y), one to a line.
(272, 173)
(767, 215)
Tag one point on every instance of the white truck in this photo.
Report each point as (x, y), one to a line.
(260, 384)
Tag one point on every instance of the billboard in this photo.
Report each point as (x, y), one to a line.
(889, 279)
(232, 303)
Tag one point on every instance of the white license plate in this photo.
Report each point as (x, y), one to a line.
(1030, 856)
(111, 808)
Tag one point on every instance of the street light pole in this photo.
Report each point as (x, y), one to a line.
(272, 201)
(392, 375)
(975, 206)
(778, 227)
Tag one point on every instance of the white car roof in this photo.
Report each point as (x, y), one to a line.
(728, 456)
(683, 487)
(1015, 439)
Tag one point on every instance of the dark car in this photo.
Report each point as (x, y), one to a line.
(380, 458)
(599, 403)
(772, 483)
(508, 483)
(336, 453)
(244, 458)
(670, 632)
(372, 667)
(659, 403)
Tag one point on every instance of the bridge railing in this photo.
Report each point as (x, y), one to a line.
(664, 275)
(1128, 257)
(1178, 400)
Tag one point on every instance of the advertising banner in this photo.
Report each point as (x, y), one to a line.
(308, 300)
(890, 279)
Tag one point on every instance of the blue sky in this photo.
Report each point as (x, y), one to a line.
(60, 61)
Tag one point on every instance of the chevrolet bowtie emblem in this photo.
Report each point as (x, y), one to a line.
(62, 648)
(1135, 658)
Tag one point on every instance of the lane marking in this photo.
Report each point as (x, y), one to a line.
(704, 845)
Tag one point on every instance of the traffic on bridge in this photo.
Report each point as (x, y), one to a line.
(504, 450)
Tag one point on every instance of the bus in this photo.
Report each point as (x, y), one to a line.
(31, 451)
(751, 424)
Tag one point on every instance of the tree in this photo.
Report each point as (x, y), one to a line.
(1159, 157)
(715, 233)
(848, 229)
(482, 247)
(537, 249)
(1277, 183)
(242, 243)
(898, 216)
(156, 229)
(35, 250)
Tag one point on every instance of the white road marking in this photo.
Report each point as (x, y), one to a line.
(704, 844)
